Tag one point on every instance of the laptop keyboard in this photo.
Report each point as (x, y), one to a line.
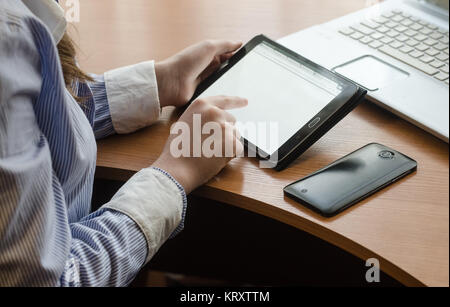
(408, 39)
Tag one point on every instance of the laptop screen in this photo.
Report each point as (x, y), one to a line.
(440, 3)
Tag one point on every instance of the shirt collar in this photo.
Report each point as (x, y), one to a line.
(51, 14)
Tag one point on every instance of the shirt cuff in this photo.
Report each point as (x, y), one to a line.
(102, 122)
(156, 202)
(180, 227)
(133, 96)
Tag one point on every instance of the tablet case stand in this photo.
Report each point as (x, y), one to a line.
(322, 130)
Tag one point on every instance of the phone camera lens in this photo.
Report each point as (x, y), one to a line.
(386, 154)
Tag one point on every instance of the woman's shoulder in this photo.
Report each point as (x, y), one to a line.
(16, 21)
(18, 30)
(13, 12)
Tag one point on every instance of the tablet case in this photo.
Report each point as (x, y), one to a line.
(324, 128)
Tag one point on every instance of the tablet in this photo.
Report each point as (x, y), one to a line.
(292, 102)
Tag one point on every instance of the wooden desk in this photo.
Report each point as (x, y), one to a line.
(405, 226)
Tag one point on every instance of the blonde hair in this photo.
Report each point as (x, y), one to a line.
(72, 73)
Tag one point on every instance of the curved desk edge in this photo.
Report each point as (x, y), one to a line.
(286, 218)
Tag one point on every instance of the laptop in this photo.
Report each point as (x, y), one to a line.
(397, 49)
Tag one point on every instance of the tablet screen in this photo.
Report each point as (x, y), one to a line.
(283, 95)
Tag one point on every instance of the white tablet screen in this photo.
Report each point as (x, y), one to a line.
(280, 91)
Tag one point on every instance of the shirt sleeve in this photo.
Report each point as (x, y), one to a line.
(125, 99)
(38, 244)
(132, 93)
(102, 121)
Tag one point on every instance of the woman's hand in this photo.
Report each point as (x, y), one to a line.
(179, 76)
(192, 172)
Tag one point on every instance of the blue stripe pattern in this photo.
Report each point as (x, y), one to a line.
(47, 165)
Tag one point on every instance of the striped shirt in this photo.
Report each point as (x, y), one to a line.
(48, 237)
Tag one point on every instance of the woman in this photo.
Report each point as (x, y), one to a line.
(50, 115)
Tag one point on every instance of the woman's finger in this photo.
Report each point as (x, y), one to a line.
(228, 102)
(225, 57)
(229, 118)
(224, 46)
(213, 66)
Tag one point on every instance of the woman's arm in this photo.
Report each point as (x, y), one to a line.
(126, 99)
(122, 100)
(130, 98)
(38, 245)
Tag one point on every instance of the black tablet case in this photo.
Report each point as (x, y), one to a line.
(357, 98)
(324, 128)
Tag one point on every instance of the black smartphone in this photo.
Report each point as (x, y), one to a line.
(350, 179)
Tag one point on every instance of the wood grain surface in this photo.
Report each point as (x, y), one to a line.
(405, 226)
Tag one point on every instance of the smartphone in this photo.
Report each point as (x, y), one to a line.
(351, 179)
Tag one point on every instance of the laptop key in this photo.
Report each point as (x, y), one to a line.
(444, 69)
(432, 52)
(346, 31)
(398, 18)
(427, 59)
(386, 40)
(437, 64)
(402, 38)
(375, 44)
(388, 14)
(380, 19)
(370, 24)
(422, 47)
(436, 35)
(426, 31)
(357, 36)
(444, 40)
(383, 29)
(391, 24)
(401, 28)
(377, 36)
(363, 29)
(405, 58)
(441, 46)
(412, 42)
(366, 40)
(430, 42)
(416, 27)
(407, 22)
(441, 76)
(406, 49)
(442, 57)
(396, 45)
(393, 33)
(411, 32)
(416, 54)
(420, 37)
